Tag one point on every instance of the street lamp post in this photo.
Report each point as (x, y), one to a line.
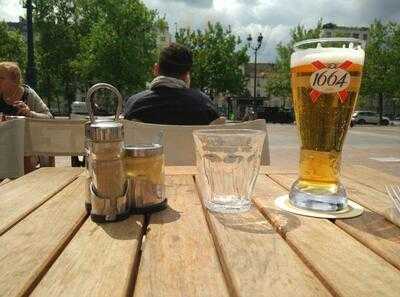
(255, 48)
(30, 71)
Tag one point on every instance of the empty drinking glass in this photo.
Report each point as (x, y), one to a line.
(228, 161)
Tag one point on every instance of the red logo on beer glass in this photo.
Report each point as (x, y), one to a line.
(330, 78)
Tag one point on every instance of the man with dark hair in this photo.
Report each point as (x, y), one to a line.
(170, 100)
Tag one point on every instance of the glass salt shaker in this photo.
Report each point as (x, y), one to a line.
(105, 163)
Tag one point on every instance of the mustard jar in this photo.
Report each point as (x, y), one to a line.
(144, 169)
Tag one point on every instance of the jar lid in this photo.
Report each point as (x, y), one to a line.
(143, 150)
(88, 124)
(105, 131)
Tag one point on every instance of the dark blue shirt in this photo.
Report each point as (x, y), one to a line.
(171, 106)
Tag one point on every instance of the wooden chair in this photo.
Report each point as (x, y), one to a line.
(54, 137)
(178, 140)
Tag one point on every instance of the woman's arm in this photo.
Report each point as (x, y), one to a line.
(38, 108)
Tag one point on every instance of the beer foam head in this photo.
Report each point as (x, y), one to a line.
(327, 55)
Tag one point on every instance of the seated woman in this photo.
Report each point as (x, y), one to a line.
(19, 99)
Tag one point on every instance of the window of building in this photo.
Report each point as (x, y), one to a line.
(365, 36)
(356, 35)
(329, 34)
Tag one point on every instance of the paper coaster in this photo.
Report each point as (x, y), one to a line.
(352, 210)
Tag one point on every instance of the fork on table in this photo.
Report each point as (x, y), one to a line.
(394, 194)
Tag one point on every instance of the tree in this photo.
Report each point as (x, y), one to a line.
(120, 45)
(381, 68)
(279, 84)
(57, 45)
(218, 59)
(81, 42)
(12, 46)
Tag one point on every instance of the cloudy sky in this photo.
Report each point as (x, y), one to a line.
(272, 18)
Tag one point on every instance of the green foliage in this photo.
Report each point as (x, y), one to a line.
(161, 24)
(82, 42)
(218, 56)
(382, 55)
(120, 45)
(302, 33)
(381, 68)
(279, 84)
(57, 44)
(12, 46)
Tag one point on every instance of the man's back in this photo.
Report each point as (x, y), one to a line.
(171, 106)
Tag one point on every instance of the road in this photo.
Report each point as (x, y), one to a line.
(372, 146)
(362, 144)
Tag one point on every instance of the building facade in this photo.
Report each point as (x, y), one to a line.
(20, 26)
(333, 30)
(265, 71)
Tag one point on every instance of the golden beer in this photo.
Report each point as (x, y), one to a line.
(325, 85)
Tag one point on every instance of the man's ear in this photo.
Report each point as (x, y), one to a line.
(186, 77)
(156, 69)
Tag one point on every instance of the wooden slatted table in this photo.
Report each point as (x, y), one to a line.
(49, 247)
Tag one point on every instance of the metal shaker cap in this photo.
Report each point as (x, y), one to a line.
(145, 150)
(106, 131)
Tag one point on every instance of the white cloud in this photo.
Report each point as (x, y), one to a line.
(10, 10)
(272, 35)
(272, 18)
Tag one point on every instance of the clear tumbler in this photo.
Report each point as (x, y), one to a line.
(228, 161)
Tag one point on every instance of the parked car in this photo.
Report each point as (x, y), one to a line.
(79, 110)
(277, 115)
(368, 117)
(396, 120)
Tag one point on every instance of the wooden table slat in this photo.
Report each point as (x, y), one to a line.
(348, 267)
(375, 232)
(179, 258)
(371, 228)
(373, 199)
(257, 259)
(32, 245)
(49, 248)
(178, 170)
(368, 177)
(20, 197)
(99, 261)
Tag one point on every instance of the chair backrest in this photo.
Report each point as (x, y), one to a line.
(54, 137)
(12, 148)
(178, 140)
(66, 137)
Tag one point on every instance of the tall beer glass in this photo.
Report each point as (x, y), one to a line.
(325, 78)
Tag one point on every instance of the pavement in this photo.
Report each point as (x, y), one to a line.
(377, 147)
